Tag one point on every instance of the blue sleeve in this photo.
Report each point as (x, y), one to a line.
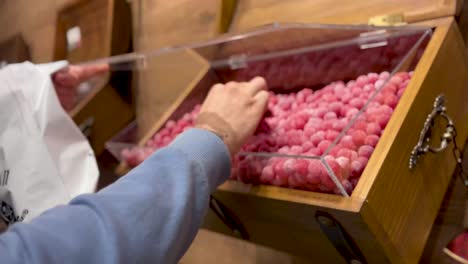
(151, 215)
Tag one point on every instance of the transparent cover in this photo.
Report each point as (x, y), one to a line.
(333, 90)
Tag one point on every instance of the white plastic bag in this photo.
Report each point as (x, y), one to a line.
(44, 158)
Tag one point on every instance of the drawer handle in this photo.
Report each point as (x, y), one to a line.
(228, 217)
(423, 146)
(340, 239)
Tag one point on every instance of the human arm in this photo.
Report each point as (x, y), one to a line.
(152, 214)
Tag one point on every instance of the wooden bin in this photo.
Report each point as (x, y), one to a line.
(14, 50)
(105, 27)
(391, 211)
(389, 215)
(162, 23)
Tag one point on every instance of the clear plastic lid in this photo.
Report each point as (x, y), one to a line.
(333, 90)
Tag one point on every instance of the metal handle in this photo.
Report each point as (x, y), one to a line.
(423, 146)
(228, 218)
(339, 237)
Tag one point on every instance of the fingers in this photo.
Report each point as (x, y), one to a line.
(232, 85)
(216, 88)
(84, 73)
(256, 85)
(261, 99)
(239, 104)
(64, 79)
(251, 88)
(74, 75)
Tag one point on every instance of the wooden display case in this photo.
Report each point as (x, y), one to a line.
(14, 50)
(389, 215)
(89, 30)
(160, 23)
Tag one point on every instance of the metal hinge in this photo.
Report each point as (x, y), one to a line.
(238, 61)
(373, 39)
(397, 19)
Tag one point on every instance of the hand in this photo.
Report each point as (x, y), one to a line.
(234, 110)
(66, 81)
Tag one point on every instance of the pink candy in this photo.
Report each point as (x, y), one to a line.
(347, 153)
(365, 151)
(323, 146)
(315, 171)
(359, 137)
(373, 129)
(348, 142)
(329, 116)
(306, 124)
(357, 103)
(371, 140)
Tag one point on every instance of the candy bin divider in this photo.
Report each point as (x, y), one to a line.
(332, 175)
(377, 91)
(171, 93)
(273, 155)
(97, 84)
(408, 58)
(122, 141)
(364, 107)
(321, 158)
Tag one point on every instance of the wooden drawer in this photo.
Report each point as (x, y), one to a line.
(105, 30)
(14, 50)
(390, 213)
(392, 209)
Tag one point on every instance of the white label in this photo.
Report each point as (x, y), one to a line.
(73, 38)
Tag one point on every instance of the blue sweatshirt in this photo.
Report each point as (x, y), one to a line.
(151, 215)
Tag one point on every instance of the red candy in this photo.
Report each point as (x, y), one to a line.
(357, 167)
(359, 137)
(358, 103)
(323, 146)
(302, 167)
(339, 125)
(373, 129)
(331, 135)
(336, 107)
(345, 166)
(329, 116)
(350, 154)
(391, 100)
(318, 137)
(365, 151)
(371, 140)
(347, 142)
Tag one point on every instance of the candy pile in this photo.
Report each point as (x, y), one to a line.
(324, 124)
(320, 66)
(136, 155)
